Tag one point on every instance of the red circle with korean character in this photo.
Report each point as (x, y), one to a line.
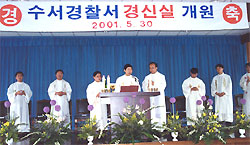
(232, 13)
(10, 15)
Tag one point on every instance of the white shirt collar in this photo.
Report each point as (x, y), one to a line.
(154, 73)
(192, 77)
(221, 74)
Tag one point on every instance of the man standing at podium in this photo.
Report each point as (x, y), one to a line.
(156, 80)
(100, 110)
(127, 79)
(19, 95)
(60, 91)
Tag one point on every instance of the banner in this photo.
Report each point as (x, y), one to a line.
(107, 16)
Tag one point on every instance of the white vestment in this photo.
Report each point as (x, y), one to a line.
(100, 110)
(19, 105)
(63, 101)
(192, 109)
(126, 81)
(158, 114)
(246, 88)
(223, 105)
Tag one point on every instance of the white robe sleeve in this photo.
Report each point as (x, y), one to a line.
(243, 83)
(202, 90)
(68, 91)
(213, 87)
(11, 93)
(228, 88)
(186, 89)
(139, 87)
(90, 95)
(163, 83)
(145, 84)
(117, 85)
(51, 91)
(28, 93)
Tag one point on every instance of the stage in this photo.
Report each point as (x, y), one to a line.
(37, 39)
(236, 141)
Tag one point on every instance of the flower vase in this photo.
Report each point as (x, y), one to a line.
(90, 140)
(242, 132)
(174, 135)
(9, 142)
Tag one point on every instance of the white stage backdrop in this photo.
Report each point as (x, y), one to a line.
(105, 16)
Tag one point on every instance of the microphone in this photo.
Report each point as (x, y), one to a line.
(136, 80)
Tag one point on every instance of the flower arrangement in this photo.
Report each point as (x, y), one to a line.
(241, 122)
(8, 131)
(90, 128)
(50, 131)
(206, 127)
(173, 120)
(134, 126)
(174, 124)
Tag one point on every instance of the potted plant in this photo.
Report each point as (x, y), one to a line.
(134, 126)
(207, 127)
(241, 123)
(8, 132)
(50, 131)
(174, 126)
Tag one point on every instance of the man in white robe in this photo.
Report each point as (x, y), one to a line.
(127, 79)
(60, 91)
(221, 89)
(193, 89)
(19, 95)
(244, 83)
(93, 92)
(156, 80)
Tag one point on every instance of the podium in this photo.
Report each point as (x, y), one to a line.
(117, 104)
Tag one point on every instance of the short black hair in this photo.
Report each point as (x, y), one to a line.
(127, 65)
(248, 64)
(19, 72)
(219, 65)
(96, 72)
(194, 70)
(156, 65)
(59, 70)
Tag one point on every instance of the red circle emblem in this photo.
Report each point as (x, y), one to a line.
(10, 15)
(232, 13)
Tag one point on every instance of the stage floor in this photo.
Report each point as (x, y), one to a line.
(236, 141)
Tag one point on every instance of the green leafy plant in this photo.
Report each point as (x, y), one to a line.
(51, 131)
(90, 128)
(207, 128)
(241, 122)
(174, 124)
(8, 131)
(134, 126)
